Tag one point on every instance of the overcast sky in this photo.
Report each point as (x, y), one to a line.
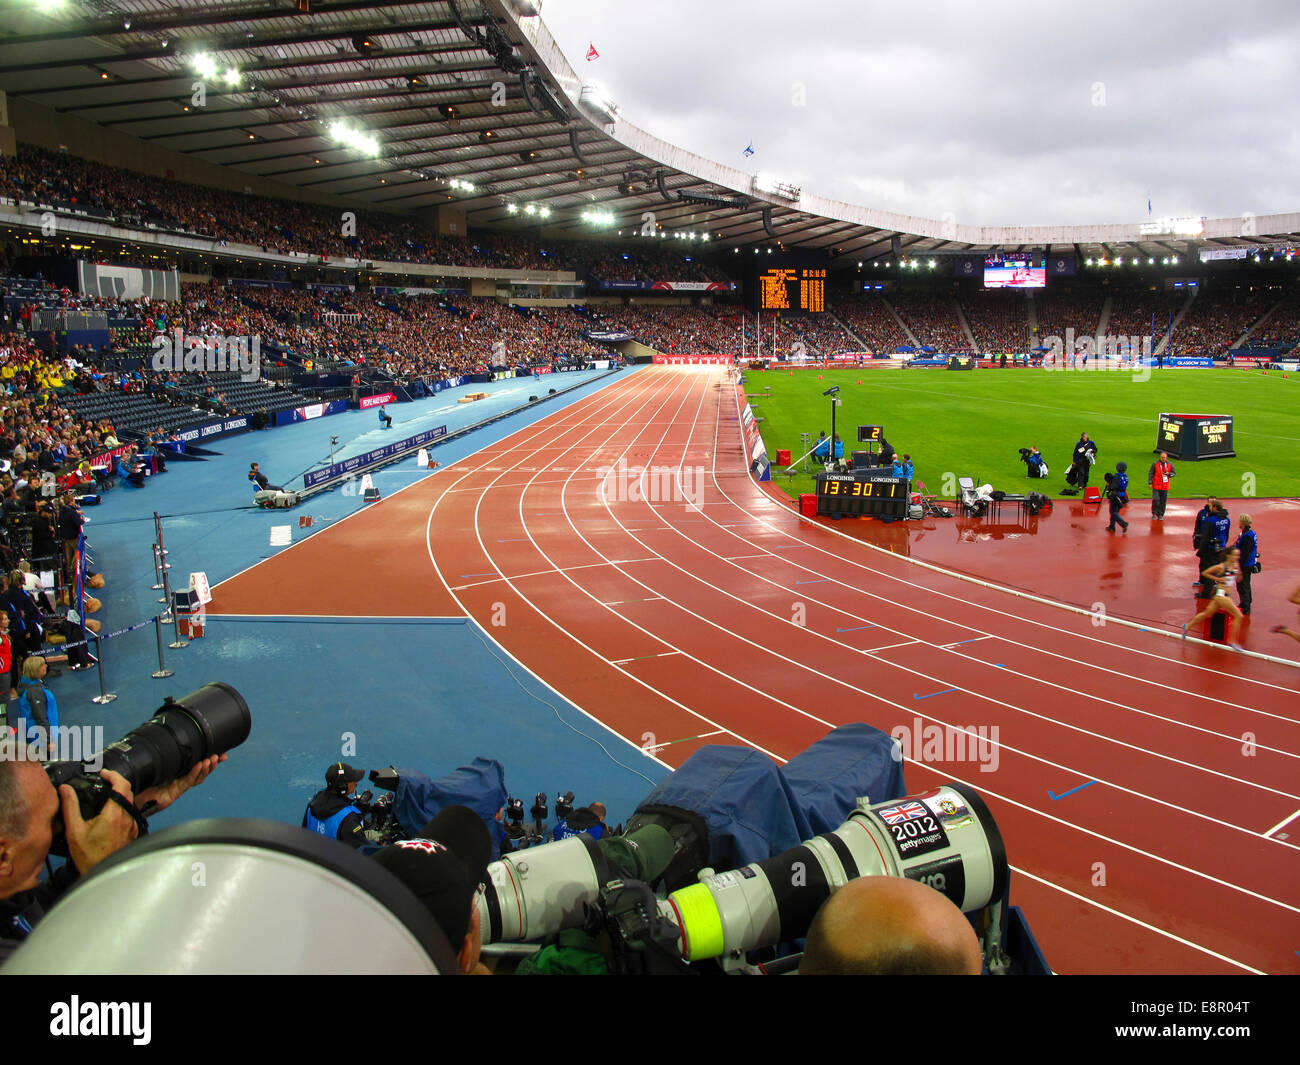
(1000, 113)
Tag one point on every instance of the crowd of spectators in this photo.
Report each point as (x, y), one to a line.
(1283, 326)
(1138, 313)
(288, 227)
(680, 330)
(998, 319)
(45, 468)
(1218, 318)
(1058, 310)
(873, 323)
(933, 320)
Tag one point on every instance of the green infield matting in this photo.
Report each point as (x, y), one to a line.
(973, 423)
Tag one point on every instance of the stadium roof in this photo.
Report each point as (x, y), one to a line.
(467, 91)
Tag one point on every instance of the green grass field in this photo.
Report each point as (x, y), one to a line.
(974, 423)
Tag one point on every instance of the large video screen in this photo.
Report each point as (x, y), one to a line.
(1017, 270)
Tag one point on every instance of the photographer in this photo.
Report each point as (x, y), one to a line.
(332, 812)
(1033, 460)
(444, 868)
(882, 926)
(260, 479)
(32, 813)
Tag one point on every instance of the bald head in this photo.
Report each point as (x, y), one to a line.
(890, 926)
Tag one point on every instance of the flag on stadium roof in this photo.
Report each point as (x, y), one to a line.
(591, 52)
(749, 150)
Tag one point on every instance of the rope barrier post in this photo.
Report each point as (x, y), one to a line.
(162, 670)
(157, 568)
(175, 619)
(103, 696)
(167, 596)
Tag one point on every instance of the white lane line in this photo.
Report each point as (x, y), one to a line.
(1284, 821)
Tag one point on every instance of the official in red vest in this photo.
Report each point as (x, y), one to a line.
(1159, 477)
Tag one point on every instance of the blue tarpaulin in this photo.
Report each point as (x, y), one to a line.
(755, 809)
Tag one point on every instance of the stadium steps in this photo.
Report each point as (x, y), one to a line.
(1104, 319)
(849, 332)
(1172, 331)
(1031, 316)
(902, 324)
(1257, 323)
(965, 327)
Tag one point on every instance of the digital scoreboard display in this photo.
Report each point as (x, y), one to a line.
(1021, 270)
(792, 288)
(791, 280)
(1195, 436)
(847, 494)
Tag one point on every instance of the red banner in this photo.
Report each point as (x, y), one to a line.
(692, 360)
(377, 401)
(106, 459)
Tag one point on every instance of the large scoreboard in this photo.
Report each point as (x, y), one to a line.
(860, 493)
(792, 288)
(792, 281)
(1195, 436)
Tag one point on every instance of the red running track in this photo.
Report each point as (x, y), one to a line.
(621, 551)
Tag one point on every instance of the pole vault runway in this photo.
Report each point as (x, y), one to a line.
(1148, 790)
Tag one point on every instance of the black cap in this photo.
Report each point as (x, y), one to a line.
(340, 775)
(444, 867)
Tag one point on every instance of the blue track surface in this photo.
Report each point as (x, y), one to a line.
(430, 693)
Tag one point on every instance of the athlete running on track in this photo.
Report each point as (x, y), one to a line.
(1224, 576)
(1295, 598)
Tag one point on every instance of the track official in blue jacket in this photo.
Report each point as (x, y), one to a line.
(1247, 546)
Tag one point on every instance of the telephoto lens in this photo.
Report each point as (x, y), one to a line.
(182, 733)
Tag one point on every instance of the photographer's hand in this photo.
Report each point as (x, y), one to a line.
(151, 800)
(90, 842)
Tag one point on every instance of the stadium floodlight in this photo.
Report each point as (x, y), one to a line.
(353, 138)
(203, 65)
(1151, 262)
(544, 212)
(597, 217)
(232, 76)
(598, 100)
(1087, 262)
(530, 209)
(771, 186)
(1135, 262)
(1174, 260)
(512, 208)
